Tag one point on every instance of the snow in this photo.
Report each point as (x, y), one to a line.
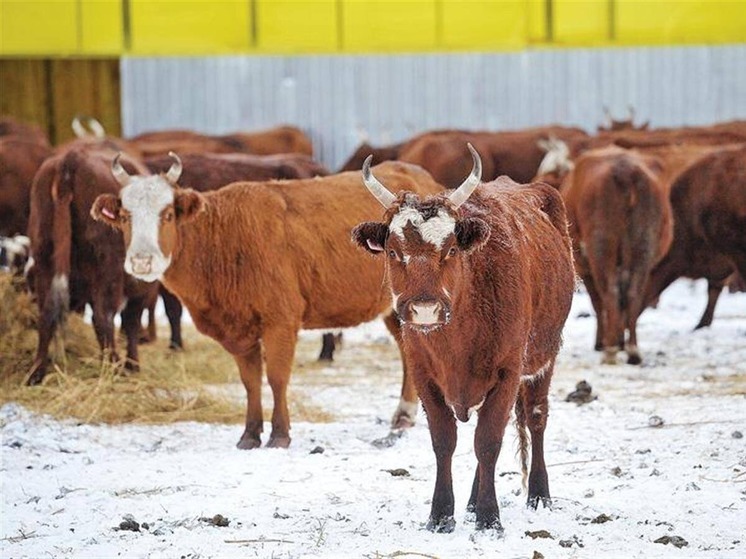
(66, 486)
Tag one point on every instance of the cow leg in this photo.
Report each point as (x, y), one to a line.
(488, 438)
(597, 308)
(104, 304)
(327, 347)
(48, 319)
(406, 413)
(536, 406)
(250, 369)
(714, 288)
(442, 425)
(131, 316)
(173, 312)
(279, 350)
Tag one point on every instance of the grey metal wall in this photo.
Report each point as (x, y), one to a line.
(339, 98)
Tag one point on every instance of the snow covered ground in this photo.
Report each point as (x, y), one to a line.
(618, 483)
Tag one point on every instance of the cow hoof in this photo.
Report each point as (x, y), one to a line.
(37, 373)
(131, 366)
(533, 502)
(278, 442)
(445, 525)
(176, 346)
(490, 523)
(248, 442)
(401, 422)
(634, 359)
(609, 357)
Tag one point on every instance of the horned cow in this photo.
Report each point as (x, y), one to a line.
(254, 262)
(482, 282)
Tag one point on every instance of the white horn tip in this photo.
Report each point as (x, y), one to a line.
(366, 166)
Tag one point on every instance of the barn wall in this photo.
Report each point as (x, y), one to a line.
(336, 98)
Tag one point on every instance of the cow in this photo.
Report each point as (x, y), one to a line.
(79, 261)
(10, 127)
(708, 201)
(282, 139)
(19, 161)
(380, 154)
(254, 262)
(621, 226)
(482, 281)
(514, 153)
(613, 125)
(209, 171)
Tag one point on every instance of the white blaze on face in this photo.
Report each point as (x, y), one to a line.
(434, 231)
(145, 198)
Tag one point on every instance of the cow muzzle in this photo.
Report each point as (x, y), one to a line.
(141, 264)
(425, 313)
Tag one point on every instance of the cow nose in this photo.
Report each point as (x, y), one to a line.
(426, 312)
(141, 263)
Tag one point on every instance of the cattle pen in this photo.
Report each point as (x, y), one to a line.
(215, 341)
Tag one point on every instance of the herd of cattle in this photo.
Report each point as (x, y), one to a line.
(253, 237)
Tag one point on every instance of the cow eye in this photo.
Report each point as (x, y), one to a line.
(392, 253)
(168, 216)
(124, 218)
(452, 251)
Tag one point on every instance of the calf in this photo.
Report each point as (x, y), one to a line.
(621, 226)
(254, 262)
(482, 283)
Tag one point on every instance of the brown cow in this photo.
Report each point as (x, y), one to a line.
(380, 154)
(621, 225)
(254, 262)
(204, 172)
(77, 260)
(19, 161)
(282, 139)
(708, 201)
(10, 127)
(483, 288)
(513, 153)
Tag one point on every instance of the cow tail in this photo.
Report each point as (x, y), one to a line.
(520, 423)
(62, 194)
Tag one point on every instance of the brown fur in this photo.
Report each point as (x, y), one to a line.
(19, 161)
(512, 153)
(621, 225)
(86, 257)
(709, 207)
(380, 154)
(508, 270)
(10, 127)
(256, 262)
(282, 139)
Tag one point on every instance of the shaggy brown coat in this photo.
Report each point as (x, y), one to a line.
(77, 260)
(256, 262)
(507, 276)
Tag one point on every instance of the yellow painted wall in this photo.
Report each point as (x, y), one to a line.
(203, 27)
(189, 27)
(388, 25)
(297, 25)
(38, 27)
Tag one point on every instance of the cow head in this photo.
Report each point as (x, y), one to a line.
(424, 242)
(148, 211)
(613, 125)
(557, 159)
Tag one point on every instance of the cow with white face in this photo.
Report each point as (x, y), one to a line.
(482, 281)
(254, 262)
(147, 210)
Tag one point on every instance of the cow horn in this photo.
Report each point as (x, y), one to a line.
(607, 115)
(377, 189)
(462, 193)
(174, 171)
(631, 113)
(78, 128)
(96, 127)
(119, 172)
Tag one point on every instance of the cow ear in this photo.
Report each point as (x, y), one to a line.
(188, 203)
(371, 235)
(471, 233)
(106, 209)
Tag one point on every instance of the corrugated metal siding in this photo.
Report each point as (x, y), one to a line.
(338, 98)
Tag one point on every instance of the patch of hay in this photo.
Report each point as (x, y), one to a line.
(83, 385)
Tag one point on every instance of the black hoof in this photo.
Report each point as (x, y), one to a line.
(445, 525)
(533, 502)
(634, 359)
(249, 442)
(175, 345)
(489, 524)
